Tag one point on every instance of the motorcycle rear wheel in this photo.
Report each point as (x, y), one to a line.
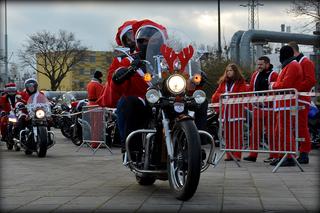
(184, 169)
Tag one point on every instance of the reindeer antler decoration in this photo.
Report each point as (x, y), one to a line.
(184, 56)
(169, 55)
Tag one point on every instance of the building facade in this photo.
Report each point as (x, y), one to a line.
(81, 73)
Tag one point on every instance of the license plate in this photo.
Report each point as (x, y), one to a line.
(178, 107)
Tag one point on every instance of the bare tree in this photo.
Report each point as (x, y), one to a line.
(310, 9)
(52, 55)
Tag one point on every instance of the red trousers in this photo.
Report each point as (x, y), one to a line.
(233, 134)
(284, 133)
(304, 146)
(262, 120)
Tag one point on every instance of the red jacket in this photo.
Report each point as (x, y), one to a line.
(289, 77)
(235, 88)
(135, 86)
(94, 89)
(308, 79)
(6, 105)
(107, 99)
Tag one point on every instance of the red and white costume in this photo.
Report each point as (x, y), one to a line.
(233, 119)
(306, 83)
(289, 77)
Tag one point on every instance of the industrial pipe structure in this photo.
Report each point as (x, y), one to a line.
(234, 46)
(269, 36)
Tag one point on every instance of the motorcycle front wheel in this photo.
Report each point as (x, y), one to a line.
(42, 141)
(184, 169)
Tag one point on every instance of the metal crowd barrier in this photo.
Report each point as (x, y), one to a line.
(262, 122)
(94, 124)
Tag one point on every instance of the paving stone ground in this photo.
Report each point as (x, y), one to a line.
(70, 181)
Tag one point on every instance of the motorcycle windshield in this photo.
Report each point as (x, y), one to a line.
(177, 43)
(67, 98)
(38, 100)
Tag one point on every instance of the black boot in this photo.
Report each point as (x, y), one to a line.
(250, 158)
(303, 158)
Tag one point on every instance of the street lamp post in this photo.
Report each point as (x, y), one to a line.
(219, 33)
(5, 43)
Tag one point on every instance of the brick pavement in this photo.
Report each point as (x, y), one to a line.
(69, 181)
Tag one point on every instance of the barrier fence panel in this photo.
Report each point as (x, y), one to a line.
(259, 122)
(94, 128)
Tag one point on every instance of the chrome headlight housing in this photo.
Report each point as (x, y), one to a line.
(199, 96)
(40, 113)
(152, 96)
(176, 84)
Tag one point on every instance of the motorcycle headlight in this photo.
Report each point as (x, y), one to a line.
(199, 96)
(40, 113)
(12, 120)
(152, 96)
(176, 84)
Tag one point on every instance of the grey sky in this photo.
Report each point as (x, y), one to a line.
(95, 23)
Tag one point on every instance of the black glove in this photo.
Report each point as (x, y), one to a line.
(204, 78)
(122, 75)
(136, 64)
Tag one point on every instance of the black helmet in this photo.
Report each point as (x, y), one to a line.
(128, 40)
(31, 86)
(97, 74)
(143, 37)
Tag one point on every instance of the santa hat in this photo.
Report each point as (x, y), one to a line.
(125, 27)
(10, 87)
(148, 23)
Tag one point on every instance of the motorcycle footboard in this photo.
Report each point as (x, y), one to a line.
(211, 156)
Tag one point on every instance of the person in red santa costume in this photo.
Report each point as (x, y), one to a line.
(124, 38)
(130, 85)
(289, 77)
(7, 104)
(232, 81)
(307, 82)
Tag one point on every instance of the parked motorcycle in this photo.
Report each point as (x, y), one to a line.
(213, 125)
(171, 147)
(314, 126)
(35, 136)
(77, 122)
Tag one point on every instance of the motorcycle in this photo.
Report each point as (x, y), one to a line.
(314, 126)
(77, 122)
(66, 120)
(213, 125)
(10, 132)
(171, 146)
(35, 136)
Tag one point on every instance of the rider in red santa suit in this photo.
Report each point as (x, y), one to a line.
(7, 103)
(124, 38)
(129, 83)
(290, 77)
(306, 84)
